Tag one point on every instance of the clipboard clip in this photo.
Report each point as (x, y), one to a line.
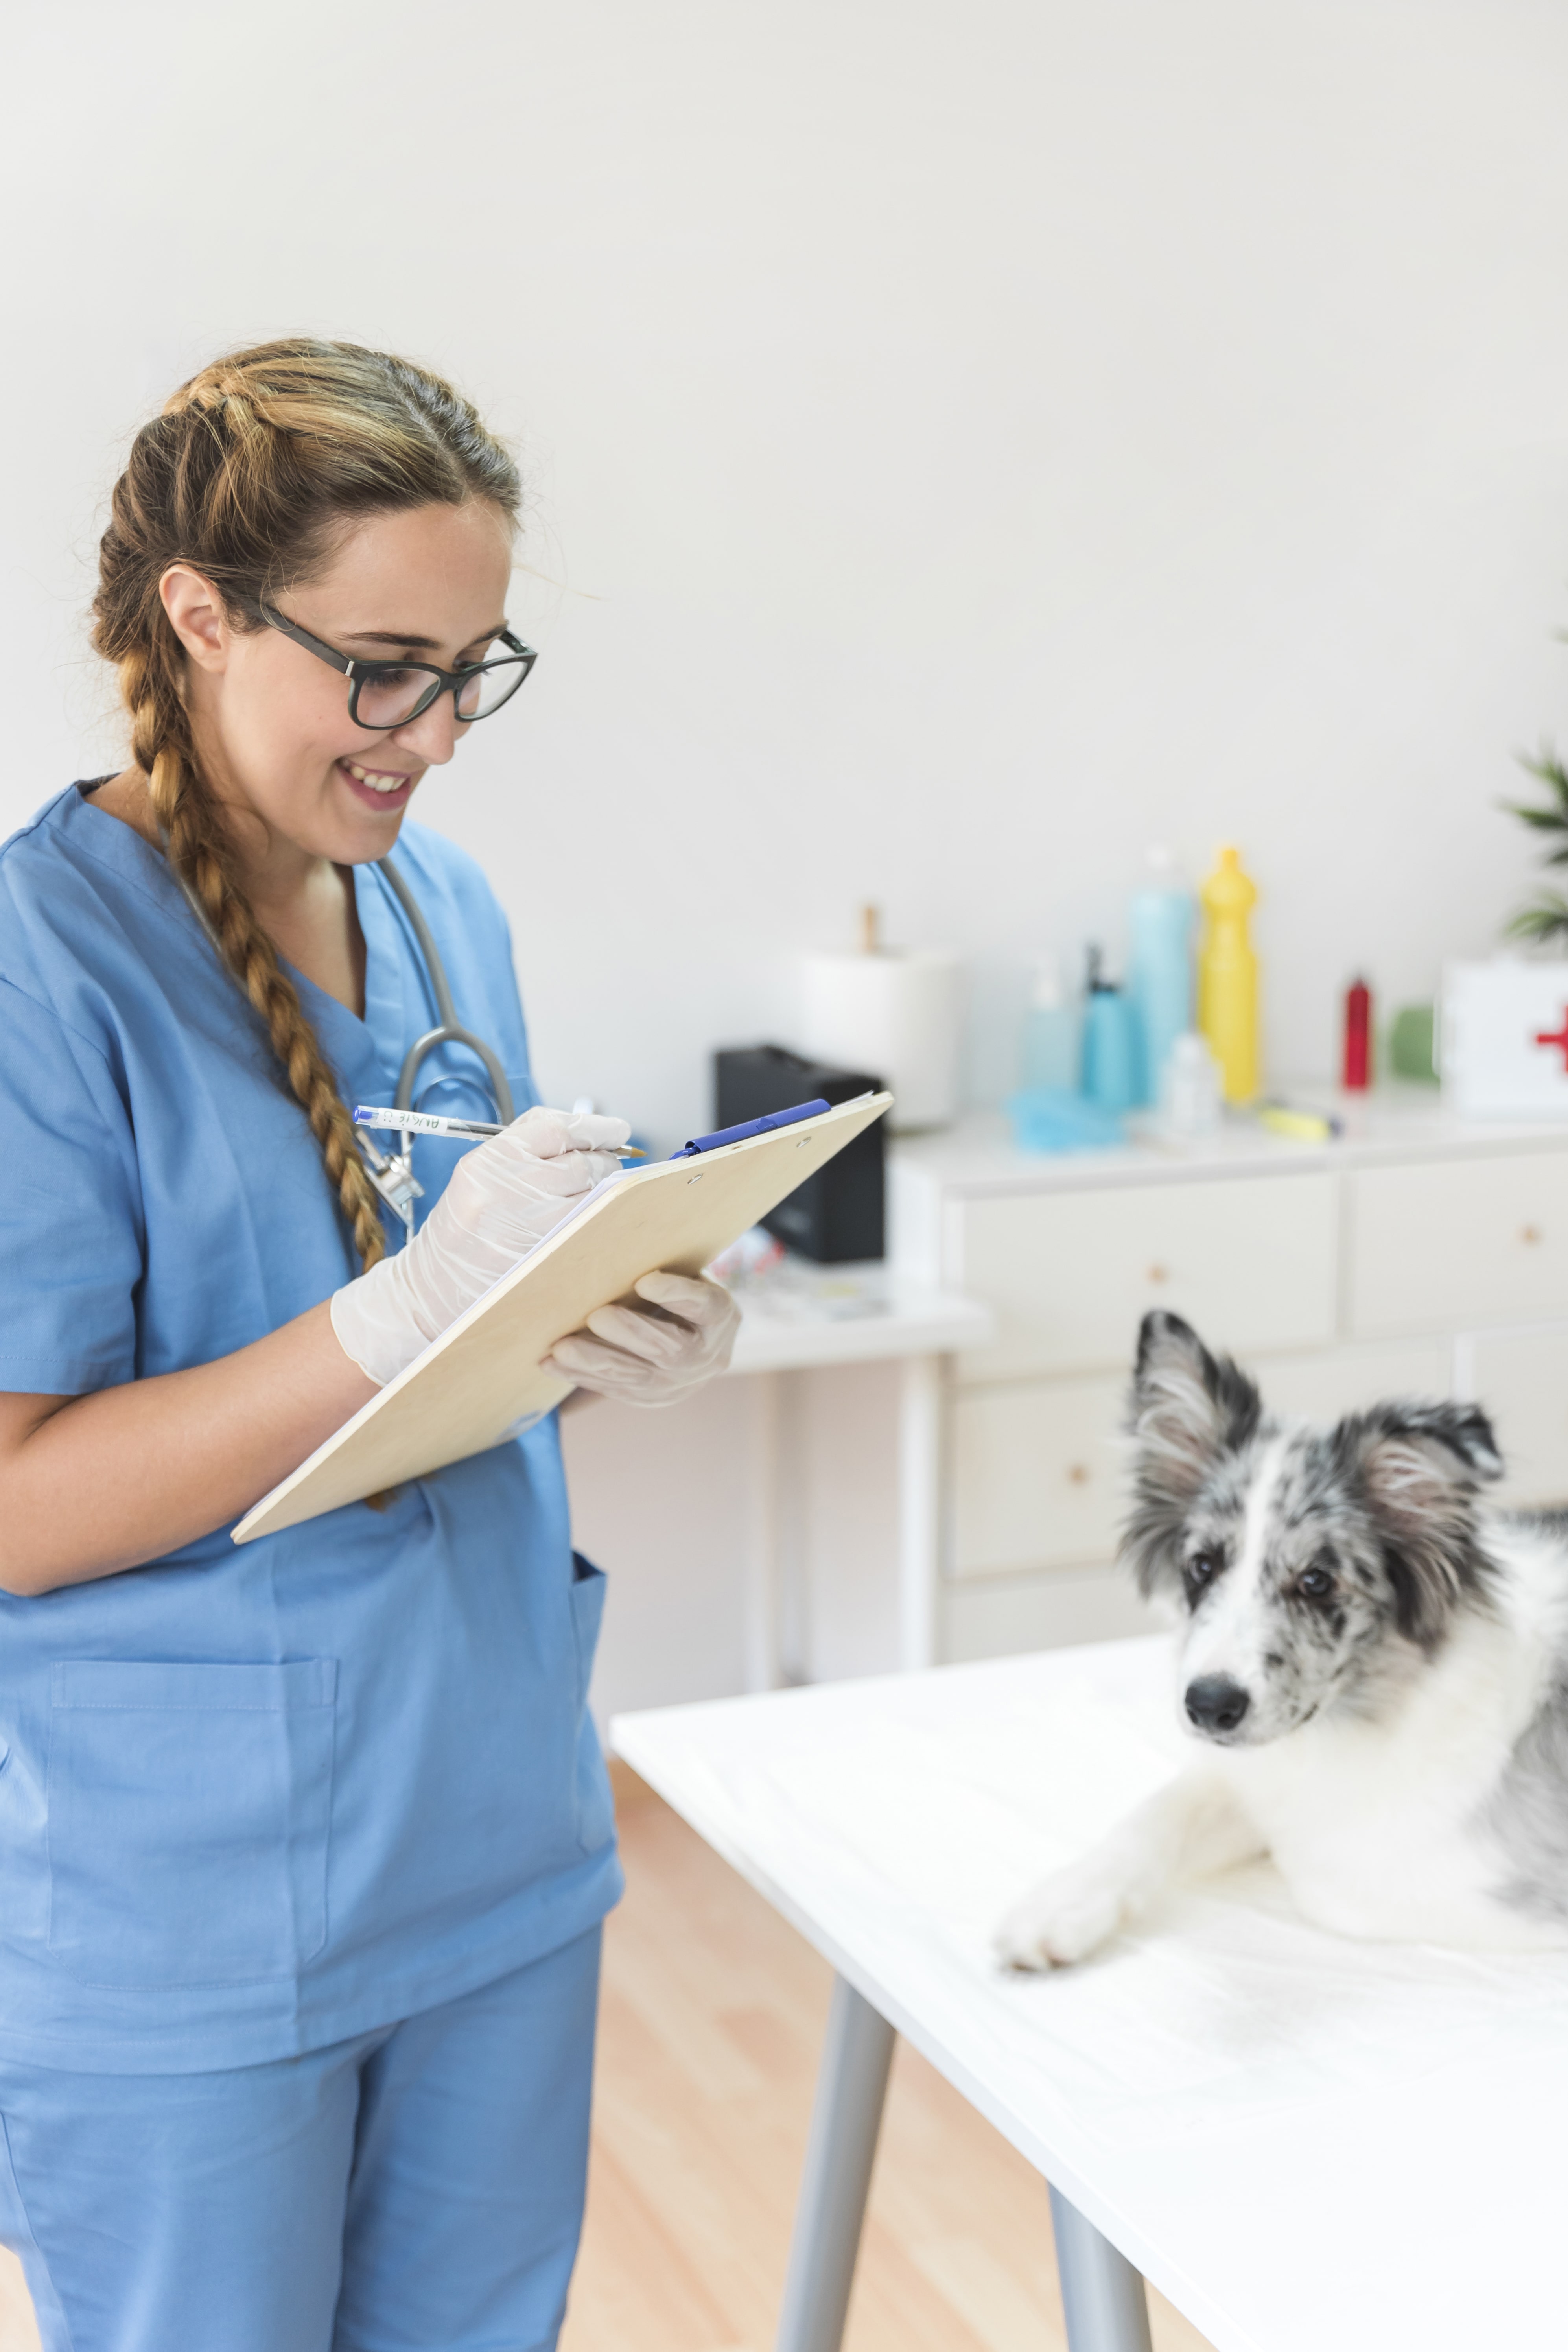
(763, 1126)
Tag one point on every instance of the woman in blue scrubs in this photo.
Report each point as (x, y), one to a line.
(304, 1845)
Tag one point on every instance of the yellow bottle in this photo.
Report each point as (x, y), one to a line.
(1227, 977)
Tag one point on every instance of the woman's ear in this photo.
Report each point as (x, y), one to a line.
(196, 616)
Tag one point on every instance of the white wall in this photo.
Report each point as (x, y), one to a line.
(972, 440)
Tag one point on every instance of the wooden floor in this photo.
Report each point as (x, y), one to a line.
(712, 2014)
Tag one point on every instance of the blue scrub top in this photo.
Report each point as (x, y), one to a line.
(254, 1800)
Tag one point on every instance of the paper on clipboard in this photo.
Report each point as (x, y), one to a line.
(472, 1386)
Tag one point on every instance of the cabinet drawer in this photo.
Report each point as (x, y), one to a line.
(1521, 1382)
(1037, 1475)
(1249, 1262)
(1346, 1380)
(1466, 1241)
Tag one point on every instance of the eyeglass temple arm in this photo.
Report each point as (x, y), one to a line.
(317, 645)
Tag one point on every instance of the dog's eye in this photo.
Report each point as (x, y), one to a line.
(1315, 1584)
(1199, 1571)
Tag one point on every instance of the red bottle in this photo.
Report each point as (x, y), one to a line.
(1357, 1075)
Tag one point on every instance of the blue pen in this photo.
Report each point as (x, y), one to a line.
(750, 1127)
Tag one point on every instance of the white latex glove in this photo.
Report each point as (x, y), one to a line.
(657, 1358)
(502, 1198)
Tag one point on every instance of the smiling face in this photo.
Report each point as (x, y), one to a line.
(1310, 1563)
(270, 719)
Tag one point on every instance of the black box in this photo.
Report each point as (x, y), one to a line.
(838, 1214)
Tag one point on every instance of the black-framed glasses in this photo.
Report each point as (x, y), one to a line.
(386, 694)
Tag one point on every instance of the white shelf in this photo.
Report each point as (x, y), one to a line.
(799, 1316)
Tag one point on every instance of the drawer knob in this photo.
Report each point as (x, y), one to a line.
(1530, 1235)
(1078, 1474)
(1159, 1274)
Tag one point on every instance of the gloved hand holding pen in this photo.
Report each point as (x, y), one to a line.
(502, 1198)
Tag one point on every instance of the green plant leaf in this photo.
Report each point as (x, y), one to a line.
(1547, 769)
(1547, 919)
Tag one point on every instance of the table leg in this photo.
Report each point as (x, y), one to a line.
(1102, 2295)
(792, 1521)
(851, 2084)
(762, 1587)
(919, 1508)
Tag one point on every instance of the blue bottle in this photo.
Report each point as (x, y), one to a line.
(1053, 1034)
(1160, 980)
(1110, 1057)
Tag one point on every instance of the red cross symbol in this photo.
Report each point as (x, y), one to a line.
(1556, 1037)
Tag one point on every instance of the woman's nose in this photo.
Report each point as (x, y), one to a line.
(433, 734)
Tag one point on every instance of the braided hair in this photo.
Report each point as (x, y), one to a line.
(248, 476)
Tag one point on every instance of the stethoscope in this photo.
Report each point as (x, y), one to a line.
(392, 1172)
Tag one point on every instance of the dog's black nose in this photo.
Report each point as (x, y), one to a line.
(1216, 1703)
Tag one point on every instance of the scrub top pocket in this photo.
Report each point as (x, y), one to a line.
(188, 1811)
(595, 1805)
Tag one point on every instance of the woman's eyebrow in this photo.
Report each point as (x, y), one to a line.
(412, 638)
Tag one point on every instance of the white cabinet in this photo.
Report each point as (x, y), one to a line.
(1336, 1381)
(1520, 1381)
(1036, 1474)
(1069, 1274)
(1415, 1258)
(1472, 1240)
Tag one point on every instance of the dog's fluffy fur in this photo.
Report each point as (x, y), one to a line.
(1376, 1665)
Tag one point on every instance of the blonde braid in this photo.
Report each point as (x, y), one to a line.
(200, 854)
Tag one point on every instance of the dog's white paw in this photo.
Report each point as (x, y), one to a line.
(1066, 1918)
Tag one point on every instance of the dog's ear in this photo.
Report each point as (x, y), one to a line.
(1418, 1469)
(1186, 1408)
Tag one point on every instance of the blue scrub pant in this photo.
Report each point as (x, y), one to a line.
(417, 2190)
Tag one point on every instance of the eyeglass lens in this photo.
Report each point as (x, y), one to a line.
(390, 698)
(488, 688)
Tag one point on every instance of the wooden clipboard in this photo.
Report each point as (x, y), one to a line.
(472, 1386)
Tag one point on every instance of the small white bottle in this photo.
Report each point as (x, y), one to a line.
(1053, 1032)
(1192, 1091)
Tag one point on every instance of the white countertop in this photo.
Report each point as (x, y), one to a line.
(1310, 2144)
(1393, 1124)
(798, 1315)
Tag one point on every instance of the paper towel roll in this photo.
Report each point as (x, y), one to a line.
(899, 1017)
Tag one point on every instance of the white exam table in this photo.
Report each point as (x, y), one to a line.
(1303, 2142)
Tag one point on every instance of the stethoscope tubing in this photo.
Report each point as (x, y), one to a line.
(449, 1029)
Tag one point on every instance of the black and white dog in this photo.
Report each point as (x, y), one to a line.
(1375, 1665)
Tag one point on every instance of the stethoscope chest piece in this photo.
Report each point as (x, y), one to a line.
(392, 1173)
